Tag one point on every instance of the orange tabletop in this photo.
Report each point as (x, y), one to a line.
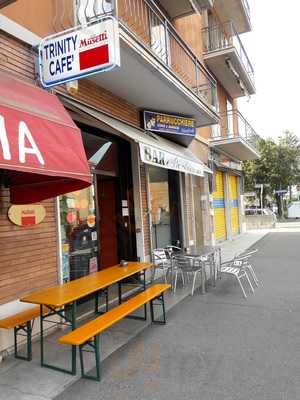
(67, 293)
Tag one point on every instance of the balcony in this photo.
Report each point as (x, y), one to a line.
(237, 11)
(181, 8)
(236, 137)
(225, 56)
(158, 69)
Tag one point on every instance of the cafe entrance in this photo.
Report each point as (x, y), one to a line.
(166, 221)
(97, 223)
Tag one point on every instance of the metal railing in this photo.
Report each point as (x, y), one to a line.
(149, 25)
(224, 36)
(234, 124)
(247, 8)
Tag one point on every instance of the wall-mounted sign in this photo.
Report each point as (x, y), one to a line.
(79, 52)
(163, 159)
(164, 123)
(27, 215)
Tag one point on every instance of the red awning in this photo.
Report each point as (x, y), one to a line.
(41, 150)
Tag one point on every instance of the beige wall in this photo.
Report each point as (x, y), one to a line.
(200, 149)
(42, 17)
(189, 28)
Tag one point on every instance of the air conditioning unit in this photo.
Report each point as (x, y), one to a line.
(4, 3)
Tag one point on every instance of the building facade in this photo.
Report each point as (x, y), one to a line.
(233, 140)
(150, 189)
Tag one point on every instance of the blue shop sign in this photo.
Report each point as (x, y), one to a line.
(164, 123)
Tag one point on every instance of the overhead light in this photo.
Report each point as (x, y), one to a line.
(4, 3)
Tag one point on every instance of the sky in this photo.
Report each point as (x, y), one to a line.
(274, 50)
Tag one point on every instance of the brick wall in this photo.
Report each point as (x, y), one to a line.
(28, 256)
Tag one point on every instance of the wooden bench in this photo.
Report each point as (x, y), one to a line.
(87, 335)
(22, 322)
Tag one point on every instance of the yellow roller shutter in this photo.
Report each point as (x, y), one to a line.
(219, 208)
(234, 210)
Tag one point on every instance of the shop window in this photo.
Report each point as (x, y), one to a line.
(79, 240)
(165, 207)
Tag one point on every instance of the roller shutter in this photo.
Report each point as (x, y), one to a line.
(219, 208)
(234, 206)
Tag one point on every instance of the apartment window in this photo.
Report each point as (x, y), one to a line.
(160, 39)
(215, 131)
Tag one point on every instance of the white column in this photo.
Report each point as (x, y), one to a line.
(137, 196)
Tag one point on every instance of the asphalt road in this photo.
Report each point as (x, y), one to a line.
(218, 346)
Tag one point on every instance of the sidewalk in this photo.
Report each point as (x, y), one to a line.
(219, 346)
(242, 242)
(20, 380)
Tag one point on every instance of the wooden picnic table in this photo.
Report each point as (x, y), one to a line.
(62, 297)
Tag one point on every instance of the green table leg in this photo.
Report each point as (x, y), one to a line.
(42, 335)
(74, 347)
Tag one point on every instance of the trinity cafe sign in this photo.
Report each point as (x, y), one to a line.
(80, 51)
(26, 144)
(164, 159)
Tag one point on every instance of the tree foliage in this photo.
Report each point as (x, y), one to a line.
(278, 165)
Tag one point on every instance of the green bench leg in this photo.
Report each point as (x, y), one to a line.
(160, 302)
(71, 321)
(143, 287)
(95, 346)
(101, 293)
(27, 329)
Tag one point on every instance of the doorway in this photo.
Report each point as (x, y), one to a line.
(110, 159)
(165, 207)
(108, 221)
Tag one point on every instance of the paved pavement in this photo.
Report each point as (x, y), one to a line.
(218, 346)
(28, 381)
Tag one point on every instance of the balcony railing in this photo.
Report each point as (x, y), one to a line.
(222, 37)
(147, 23)
(247, 8)
(234, 125)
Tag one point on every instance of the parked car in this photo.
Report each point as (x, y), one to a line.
(259, 211)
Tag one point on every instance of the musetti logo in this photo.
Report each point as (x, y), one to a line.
(93, 40)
